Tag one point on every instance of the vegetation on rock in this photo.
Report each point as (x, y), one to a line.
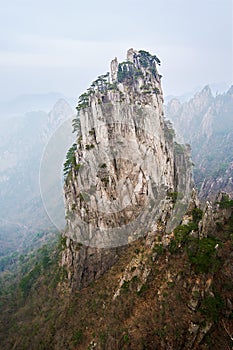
(187, 287)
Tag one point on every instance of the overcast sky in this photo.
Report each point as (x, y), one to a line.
(62, 45)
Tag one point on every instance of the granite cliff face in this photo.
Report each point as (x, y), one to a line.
(206, 123)
(125, 171)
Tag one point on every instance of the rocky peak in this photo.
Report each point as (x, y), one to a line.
(61, 111)
(138, 74)
(201, 100)
(122, 168)
(189, 115)
(205, 92)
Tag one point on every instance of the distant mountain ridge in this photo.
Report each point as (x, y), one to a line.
(31, 102)
(216, 88)
(206, 122)
(22, 143)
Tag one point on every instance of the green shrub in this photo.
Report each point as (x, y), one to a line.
(27, 281)
(81, 196)
(105, 180)
(103, 166)
(173, 246)
(211, 307)
(126, 338)
(89, 147)
(181, 232)
(70, 159)
(219, 226)
(92, 132)
(75, 124)
(77, 167)
(178, 148)
(144, 288)
(226, 202)
(230, 223)
(202, 254)
(156, 90)
(159, 249)
(125, 285)
(197, 215)
(173, 196)
(78, 337)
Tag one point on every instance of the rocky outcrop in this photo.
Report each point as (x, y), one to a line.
(222, 181)
(215, 215)
(125, 170)
(86, 264)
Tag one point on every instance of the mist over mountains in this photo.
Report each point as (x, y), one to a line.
(22, 142)
(216, 88)
(206, 123)
(23, 104)
(140, 264)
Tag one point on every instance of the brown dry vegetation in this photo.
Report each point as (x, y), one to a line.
(158, 316)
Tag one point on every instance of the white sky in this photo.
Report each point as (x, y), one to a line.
(62, 45)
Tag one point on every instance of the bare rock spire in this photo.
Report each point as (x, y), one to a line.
(130, 54)
(114, 69)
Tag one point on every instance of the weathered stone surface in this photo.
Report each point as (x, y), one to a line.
(86, 264)
(114, 68)
(213, 218)
(126, 164)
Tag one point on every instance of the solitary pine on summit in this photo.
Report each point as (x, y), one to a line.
(140, 266)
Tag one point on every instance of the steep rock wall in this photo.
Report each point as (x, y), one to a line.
(125, 172)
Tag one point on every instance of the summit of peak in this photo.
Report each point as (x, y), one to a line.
(206, 91)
